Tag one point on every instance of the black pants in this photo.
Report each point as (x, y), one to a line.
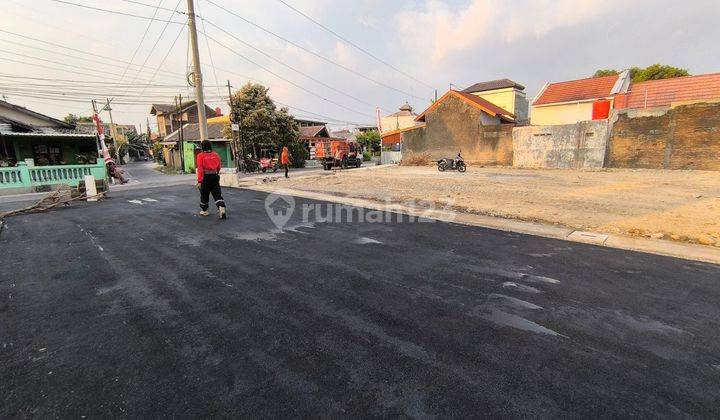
(211, 184)
(286, 170)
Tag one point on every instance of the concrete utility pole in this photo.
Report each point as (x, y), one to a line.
(181, 146)
(113, 131)
(235, 146)
(197, 74)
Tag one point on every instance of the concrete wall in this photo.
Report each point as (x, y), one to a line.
(561, 114)
(581, 146)
(456, 126)
(686, 137)
(396, 123)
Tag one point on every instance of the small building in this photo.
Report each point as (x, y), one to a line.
(38, 152)
(189, 146)
(504, 93)
(670, 93)
(404, 118)
(170, 117)
(310, 134)
(459, 122)
(578, 100)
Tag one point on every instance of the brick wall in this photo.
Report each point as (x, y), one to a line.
(456, 126)
(686, 137)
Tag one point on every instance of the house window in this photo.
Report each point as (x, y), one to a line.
(47, 154)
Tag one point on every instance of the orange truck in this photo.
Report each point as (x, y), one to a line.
(338, 153)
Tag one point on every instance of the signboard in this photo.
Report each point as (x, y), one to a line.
(236, 127)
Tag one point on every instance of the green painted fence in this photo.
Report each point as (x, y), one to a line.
(27, 179)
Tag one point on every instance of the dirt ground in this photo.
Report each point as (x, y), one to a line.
(674, 205)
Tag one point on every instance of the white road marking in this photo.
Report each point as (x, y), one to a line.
(135, 201)
(152, 200)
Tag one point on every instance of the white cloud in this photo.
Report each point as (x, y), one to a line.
(440, 30)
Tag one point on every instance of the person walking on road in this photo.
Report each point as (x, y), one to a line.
(285, 159)
(208, 176)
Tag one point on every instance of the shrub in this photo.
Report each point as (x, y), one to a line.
(367, 156)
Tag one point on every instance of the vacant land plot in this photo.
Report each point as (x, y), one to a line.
(676, 205)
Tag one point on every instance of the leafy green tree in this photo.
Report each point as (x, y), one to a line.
(657, 72)
(73, 119)
(370, 140)
(653, 72)
(605, 72)
(263, 125)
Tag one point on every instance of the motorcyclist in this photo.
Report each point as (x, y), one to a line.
(457, 159)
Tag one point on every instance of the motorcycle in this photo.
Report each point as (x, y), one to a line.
(267, 164)
(452, 164)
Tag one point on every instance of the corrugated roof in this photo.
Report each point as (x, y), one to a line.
(55, 122)
(493, 85)
(577, 90)
(655, 93)
(191, 132)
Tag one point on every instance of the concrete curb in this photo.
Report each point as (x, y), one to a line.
(651, 246)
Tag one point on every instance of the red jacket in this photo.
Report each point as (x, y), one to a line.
(207, 162)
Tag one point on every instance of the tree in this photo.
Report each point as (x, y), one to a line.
(73, 119)
(659, 71)
(653, 72)
(262, 125)
(370, 140)
(606, 72)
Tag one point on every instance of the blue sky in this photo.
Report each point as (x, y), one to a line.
(437, 42)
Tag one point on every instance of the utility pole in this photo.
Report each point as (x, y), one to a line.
(197, 74)
(113, 131)
(181, 147)
(235, 140)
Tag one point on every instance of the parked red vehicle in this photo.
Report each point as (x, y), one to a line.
(338, 153)
(268, 164)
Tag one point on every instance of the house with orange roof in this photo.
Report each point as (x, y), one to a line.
(573, 101)
(458, 122)
(671, 92)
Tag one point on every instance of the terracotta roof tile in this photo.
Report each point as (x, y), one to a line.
(577, 90)
(481, 103)
(655, 93)
(312, 131)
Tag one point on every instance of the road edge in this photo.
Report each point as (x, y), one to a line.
(650, 246)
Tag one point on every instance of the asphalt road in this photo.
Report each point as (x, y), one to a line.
(139, 308)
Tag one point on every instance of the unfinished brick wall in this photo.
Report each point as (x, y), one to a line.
(456, 126)
(687, 137)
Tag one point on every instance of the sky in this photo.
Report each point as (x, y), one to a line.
(415, 47)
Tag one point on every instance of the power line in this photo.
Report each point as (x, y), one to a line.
(66, 55)
(75, 49)
(55, 68)
(167, 9)
(100, 9)
(342, 38)
(207, 43)
(102, 73)
(288, 66)
(157, 69)
(158, 41)
(142, 39)
(283, 78)
(334, 63)
(123, 84)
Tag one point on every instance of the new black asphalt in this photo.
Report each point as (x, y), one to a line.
(138, 308)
